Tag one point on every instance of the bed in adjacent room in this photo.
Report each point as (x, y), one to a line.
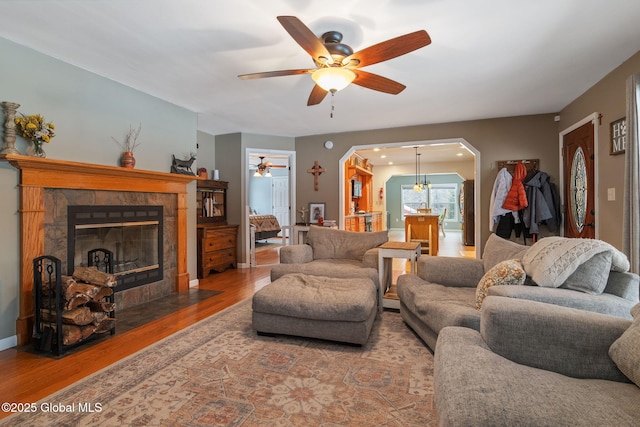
(267, 226)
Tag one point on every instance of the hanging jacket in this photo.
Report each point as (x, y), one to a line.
(517, 198)
(499, 193)
(540, 208)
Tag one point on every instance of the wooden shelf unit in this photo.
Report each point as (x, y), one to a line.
(217, 241)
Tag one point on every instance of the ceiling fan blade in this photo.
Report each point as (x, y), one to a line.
(317, 95)
(376, 82)
(389, 49)
(274, 74)
(306, 39)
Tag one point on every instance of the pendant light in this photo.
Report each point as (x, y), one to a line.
(417, 187)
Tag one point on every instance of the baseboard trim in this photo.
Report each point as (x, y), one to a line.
(8, 342)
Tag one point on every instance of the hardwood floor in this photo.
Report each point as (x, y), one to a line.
(27, 377)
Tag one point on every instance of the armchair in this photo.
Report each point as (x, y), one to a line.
(333, 253)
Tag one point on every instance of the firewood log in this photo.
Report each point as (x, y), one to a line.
(95, 277)
(103, 292)
(98, 316)
(105, 326)
(78, 316)
(72, 334)
(76, 301)
(101, 306)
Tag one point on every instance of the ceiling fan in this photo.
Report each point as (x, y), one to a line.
(264, 168)
(337, 65)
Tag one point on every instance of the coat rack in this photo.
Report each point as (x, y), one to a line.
(530, 164)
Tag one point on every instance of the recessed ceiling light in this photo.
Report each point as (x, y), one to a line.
(390, 163)
(376, 149)
(383, 157)
(459, 154)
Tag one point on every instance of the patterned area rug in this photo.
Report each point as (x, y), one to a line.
(218, 372)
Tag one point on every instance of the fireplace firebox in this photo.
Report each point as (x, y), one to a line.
(132, 233)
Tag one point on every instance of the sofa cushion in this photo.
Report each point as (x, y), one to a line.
(344, 268)
(498, 249)
(438, 306)
(329, 243)
(477, 387)
(509, 272)
(318, 298)
(624, 351)
(591, 277)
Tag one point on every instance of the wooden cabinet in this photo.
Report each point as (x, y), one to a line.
(217, 241)
(368, 222)
(217, 248)
(358, 189)
(211, 199)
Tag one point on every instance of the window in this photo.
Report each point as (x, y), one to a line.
(438, 197)
(446, 196)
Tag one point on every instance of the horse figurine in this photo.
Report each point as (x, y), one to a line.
(182, 166)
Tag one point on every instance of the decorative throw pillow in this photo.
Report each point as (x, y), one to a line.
(591, 277)
(509, 272)
(624, 350)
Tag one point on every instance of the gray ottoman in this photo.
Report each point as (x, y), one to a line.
(317, 307)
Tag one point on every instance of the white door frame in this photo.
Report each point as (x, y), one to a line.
(292, 193)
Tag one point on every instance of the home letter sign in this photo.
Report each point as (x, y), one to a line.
(618, 136)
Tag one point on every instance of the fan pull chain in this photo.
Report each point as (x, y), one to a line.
(333, 92)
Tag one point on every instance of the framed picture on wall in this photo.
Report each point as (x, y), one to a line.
(316, 210)
(618, 131)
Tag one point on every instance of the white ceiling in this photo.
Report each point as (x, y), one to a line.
(488, 58)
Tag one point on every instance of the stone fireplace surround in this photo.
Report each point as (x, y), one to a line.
(56, 202)
(46, 186)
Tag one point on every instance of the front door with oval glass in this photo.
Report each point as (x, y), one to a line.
(579, 190)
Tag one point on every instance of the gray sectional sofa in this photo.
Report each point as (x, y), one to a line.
(538, 364)
(443, 293)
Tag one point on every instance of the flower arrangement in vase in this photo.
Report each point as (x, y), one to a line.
(128, 145)
(37, 130)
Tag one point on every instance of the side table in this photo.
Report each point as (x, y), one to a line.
(386, 253)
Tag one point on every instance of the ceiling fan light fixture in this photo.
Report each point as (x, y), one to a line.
(333, 79)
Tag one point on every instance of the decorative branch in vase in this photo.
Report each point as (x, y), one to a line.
(37, 130)
(128, 145)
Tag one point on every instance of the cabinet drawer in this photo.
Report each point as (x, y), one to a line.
(226, 241)
(219, 260)
(220, 232)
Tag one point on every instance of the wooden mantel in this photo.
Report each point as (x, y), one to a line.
(36, 174)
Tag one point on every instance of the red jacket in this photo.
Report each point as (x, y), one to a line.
(516, 197)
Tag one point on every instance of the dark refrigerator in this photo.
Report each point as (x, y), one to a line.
(467, 203)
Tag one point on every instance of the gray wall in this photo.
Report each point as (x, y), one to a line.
(506, 138)
(87, 111)
(232, 162)
(607, 97)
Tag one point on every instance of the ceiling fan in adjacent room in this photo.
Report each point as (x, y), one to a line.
(264, 168)
(337, 65)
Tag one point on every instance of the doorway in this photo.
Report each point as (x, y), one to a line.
(270, 192)
(434, 150)
(578, 171)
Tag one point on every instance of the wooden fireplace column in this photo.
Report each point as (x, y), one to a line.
(36, 174)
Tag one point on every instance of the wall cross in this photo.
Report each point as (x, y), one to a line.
(316, 170)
